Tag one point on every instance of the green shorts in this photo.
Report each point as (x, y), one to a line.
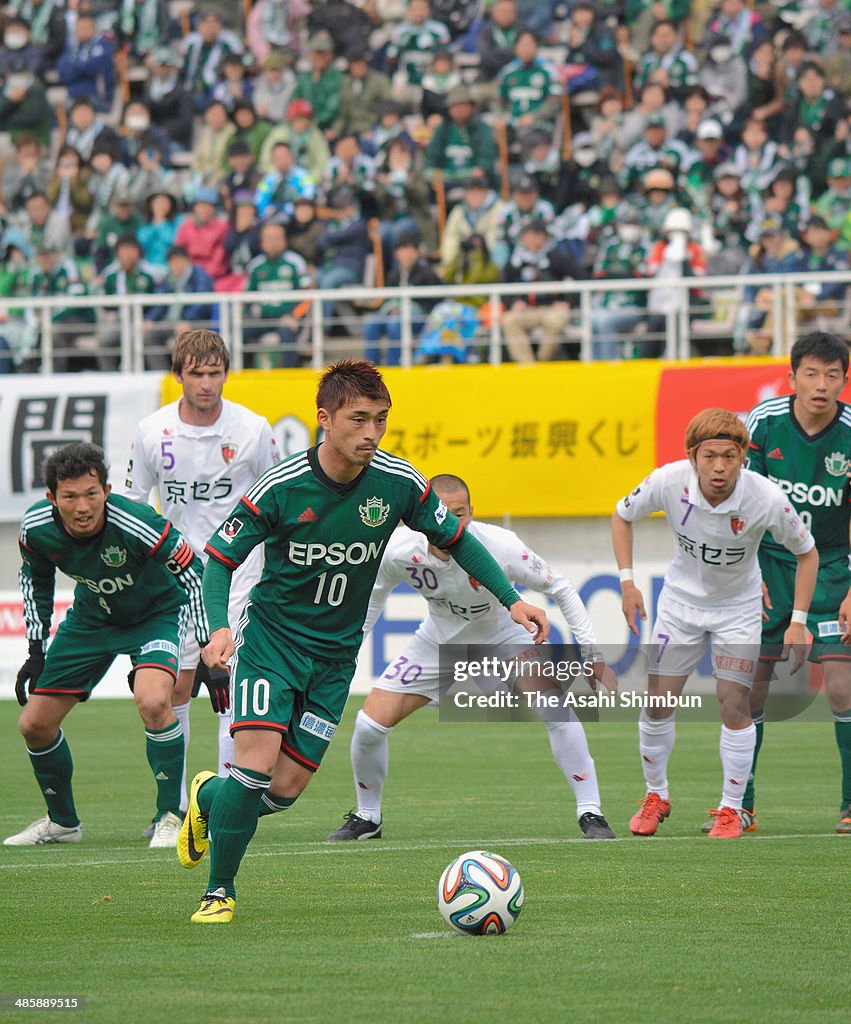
(80, 653)
(283, 688)
(822, 621)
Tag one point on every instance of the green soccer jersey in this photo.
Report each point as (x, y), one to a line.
(137, 566)
(324, 543)
(286, 273)
(810, 470)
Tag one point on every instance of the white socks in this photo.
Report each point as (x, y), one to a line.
(655, 743)
(570, 750)
(369, 764)
(181, 712)
(737, 747)
(225, 743)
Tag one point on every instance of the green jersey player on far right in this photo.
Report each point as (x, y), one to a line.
(803, 443)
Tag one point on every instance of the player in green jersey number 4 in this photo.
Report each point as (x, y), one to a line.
(803, 443)
(325, 516)
(138, 581)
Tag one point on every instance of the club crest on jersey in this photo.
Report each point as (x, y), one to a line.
(374, 512)
(229, 453)
(114, 557)
(737, 524)
(836, 464)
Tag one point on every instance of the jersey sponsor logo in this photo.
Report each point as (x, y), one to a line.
(334, 554)
(159, 645)
(474, 584)
(114, 557)
(831, 628)
(230, 529)
(836, 464)
(775, 453)
(106, 586)
(806, 494)
(440, 513)
(308, 516)
(375, 512)
(318, 726)
(229, 453)
(737, 524)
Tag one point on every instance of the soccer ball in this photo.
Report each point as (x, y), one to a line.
(480, 893)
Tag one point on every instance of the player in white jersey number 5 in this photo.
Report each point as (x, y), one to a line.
(200, 454)
(461, 611)
(719, 513)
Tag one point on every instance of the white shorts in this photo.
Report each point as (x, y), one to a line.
(416, 670)
(681, 633)
(240, 588)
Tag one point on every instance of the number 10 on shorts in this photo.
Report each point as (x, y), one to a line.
(257, 693)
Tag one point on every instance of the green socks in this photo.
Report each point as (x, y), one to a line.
(271, 804)
(232, 822)
(53, 769)
(164, 748)
(748, 798)
(842, 727)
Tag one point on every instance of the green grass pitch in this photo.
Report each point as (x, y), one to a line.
(677, 928)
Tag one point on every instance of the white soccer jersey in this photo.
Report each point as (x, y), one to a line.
(715, 561)
(460, 610)
(200, 473)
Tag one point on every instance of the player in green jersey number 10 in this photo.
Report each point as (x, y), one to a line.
(325, 516)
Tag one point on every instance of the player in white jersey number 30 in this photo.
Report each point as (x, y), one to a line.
(719, 513)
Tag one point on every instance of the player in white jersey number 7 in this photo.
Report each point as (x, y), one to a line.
(719, 513)
(461, 611)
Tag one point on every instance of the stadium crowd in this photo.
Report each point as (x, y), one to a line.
(178, 148)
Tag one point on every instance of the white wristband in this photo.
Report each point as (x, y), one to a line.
(625, 575)
(798, 617)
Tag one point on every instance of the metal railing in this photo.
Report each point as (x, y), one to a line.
(703, 312)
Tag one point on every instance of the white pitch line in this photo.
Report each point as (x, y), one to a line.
(336, 849)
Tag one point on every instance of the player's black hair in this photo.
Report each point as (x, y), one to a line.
(74, 460)
(450, 482)
(348, 380)
(821, 345)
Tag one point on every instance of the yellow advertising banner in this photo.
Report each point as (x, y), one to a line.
(563, 439)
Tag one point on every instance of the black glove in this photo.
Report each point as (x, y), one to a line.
(30, 671)
(217, 681)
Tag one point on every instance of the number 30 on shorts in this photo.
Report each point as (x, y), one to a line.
(254, 693)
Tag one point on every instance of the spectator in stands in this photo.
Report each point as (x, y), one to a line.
(24, 109)
(42, 225)
(472, 265)
(408, 269)
(86, 68)
(277, 268)
(622, 254)
(343, 246)
(701, 164)
(536, 259)
(497, 40)
(822, 29)
(272, 29)
(304, 230)
(731, 216)
(139, 136)
(46, 19)
(209, 166)
(389, 127)
(249, 128)
(128, 274)
(477, 213)
(413, 44)
(774, 253)
(142, 26)
(742, 26)
(656, 149)
(243, 176)
(675, 255)
(183, 278)
(233, 86)
(838, 64)
(641, 17)
(202, 234)
(86, 127)
(590, 171)
(170, 105)
(724, 76)
(278, 190)
(147, 172)
(530, 90)
(440, 78)
(765, 87)
(18, 327)
(57, 274)
(321, 85)
(122, 218)
(348, 25)
(816, 106)
(667, 62)
(820, 299)
(24, 174)
(273, 87)
(524, 206)
(349, 166)
(362, 92)
(591, 60)
(652, 102)
(108, 177)
(659, 197)
(401, 195)
(757, 157)
(461, 142)
(242, 242)
(156, 235)
(204, 51)
(783, 201)
(794, 56)
(230, 14)
(68, 189)
(834, 203)
(559, 181)
(307, 143)
(17, 44)
(695, 110)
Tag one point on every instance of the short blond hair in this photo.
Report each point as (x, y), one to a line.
(716, 425)
(199, 347)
